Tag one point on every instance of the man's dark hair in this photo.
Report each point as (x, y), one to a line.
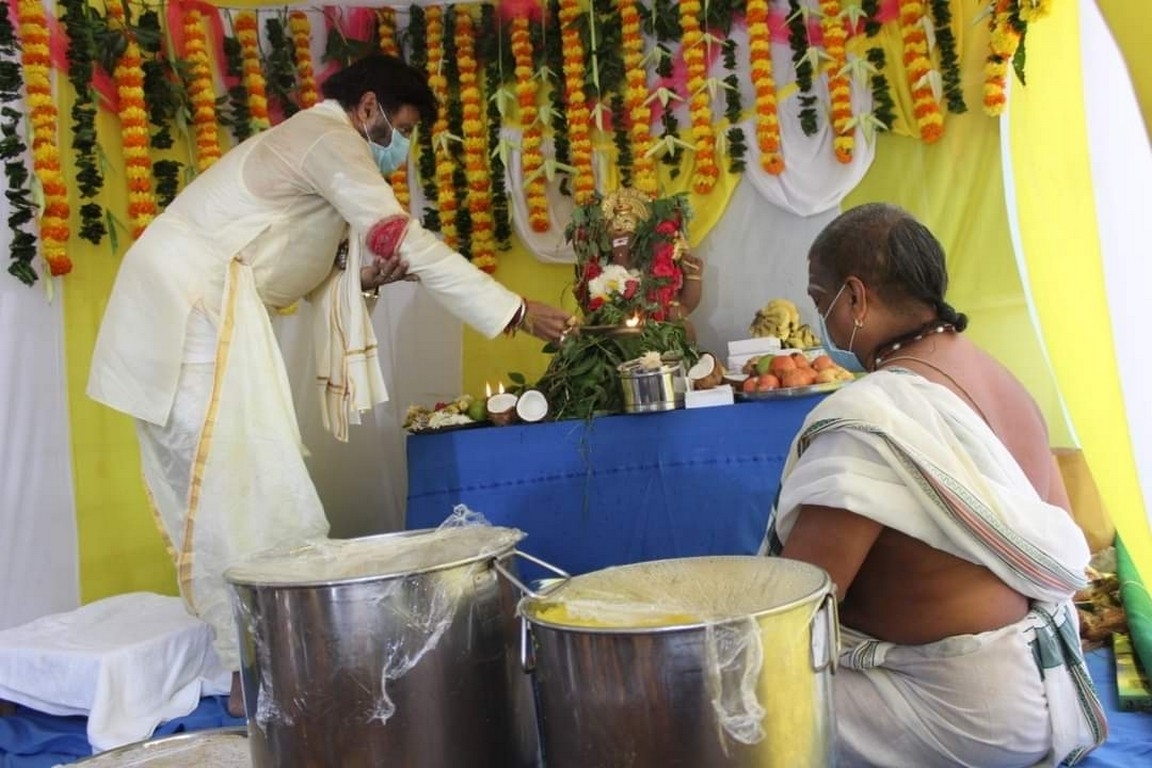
(892, 253)
(394, 82)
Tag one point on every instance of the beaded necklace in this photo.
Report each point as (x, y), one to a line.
(886, 349)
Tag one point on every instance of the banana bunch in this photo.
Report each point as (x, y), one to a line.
(781, 318)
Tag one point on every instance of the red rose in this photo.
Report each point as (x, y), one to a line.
(667, 228)
(596, 303)
(592, 270)
(630, 288)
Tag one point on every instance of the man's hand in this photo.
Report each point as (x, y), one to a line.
(384, 271)
(547, 323)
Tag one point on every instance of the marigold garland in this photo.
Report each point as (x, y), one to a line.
(133, 110)
(929, 119)
(248, 34)
(1006, 33)
(579, 130)
(200, 91)
(386, 34)
(475, 145)
(531, 133)
(37, 63)
(636, 98)
(839, 87)
(445, 164)
(301, 28)
(760, 66)
(699, 99)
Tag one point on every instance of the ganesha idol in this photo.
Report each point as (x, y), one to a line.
(633, 264)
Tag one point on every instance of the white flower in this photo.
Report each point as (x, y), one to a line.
(611, 282)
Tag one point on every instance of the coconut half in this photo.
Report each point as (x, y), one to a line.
(707, 373)
(502, 408)
(532, 406)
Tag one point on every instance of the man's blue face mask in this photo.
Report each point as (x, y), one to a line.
(391, 157)
(845, 358)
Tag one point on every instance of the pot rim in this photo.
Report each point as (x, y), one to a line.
(270, 583)
(526, 603)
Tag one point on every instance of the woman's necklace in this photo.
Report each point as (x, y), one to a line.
(887, 349)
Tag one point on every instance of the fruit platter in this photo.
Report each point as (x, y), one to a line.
(788, 374)
(463, 412)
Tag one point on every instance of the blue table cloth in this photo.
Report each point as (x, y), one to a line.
(616, 489)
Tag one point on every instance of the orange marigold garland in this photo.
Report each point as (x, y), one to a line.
(37, 62)
(129, 77)
(475, 145)
(386, 32)
(445, 163)
(301, 29)
(839, 87)
(1006, 33)
(531, 134)
(636, 90)
(200, 91)
(248, 34)
(700, 98)
(929, 118)
(579, 132)
(760, 64)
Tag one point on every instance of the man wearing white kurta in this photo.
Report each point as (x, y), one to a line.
(186, 345)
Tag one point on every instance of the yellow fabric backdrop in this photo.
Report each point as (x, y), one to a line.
(1057, 215)
(120, 547)
(1130, 22)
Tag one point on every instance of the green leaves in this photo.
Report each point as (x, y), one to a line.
(583, 380)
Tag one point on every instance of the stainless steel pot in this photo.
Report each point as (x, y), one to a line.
(653, 390)
(714, 661)
(396, 650)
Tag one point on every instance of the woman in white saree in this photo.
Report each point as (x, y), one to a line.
(928, 491)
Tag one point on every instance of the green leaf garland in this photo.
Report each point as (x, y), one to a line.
(491, 49)
(949, 59)
(22, 249)
(78, 20)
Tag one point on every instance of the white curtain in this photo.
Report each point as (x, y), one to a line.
(39, 572)
(1122, 182)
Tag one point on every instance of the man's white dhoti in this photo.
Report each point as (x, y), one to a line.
(911, 455)
(226, 472)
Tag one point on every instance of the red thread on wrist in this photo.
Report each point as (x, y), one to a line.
(385, 236)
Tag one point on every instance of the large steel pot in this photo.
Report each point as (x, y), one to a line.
(395, 650)
(698, 662)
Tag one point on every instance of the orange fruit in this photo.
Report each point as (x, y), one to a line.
(749, 384)
(801, 360)
(794, 379)
(823, 362)
(780, 365)
(767, 382)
